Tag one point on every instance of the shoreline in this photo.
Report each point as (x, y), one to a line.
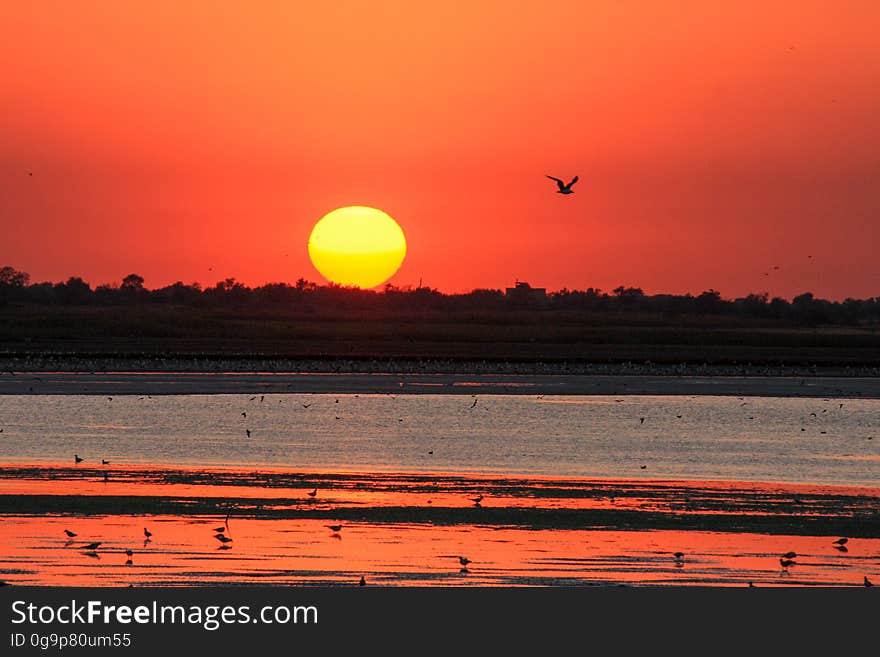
(446, 500)
(229, 382)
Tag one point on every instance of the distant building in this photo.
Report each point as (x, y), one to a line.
(525, 294)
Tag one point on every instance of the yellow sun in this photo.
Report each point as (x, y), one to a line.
(358, 246)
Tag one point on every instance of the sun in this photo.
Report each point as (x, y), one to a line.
(357, 246)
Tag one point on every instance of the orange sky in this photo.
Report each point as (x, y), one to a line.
(714, 140)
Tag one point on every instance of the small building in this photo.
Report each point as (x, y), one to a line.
(525, 294)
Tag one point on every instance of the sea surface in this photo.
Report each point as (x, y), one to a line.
(804, 441)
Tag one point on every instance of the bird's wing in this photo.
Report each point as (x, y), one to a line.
(558, 182)
(573, 181)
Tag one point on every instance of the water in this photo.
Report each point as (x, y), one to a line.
(716, 438)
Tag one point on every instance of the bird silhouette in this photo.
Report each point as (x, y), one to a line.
(476, 500)
(841, 541)
(129, 552)
(790, 555)
(868, 583)
(248, 432)
(363, 581)
(474, 404)
(105, 462)
(334, 528)
(563, 188)
(69, 533)
(77, 459)
(147, 533)
(91, 546)
(785, 563)
(313, 493)
(464, 561)
(223, 538)
(220, 530)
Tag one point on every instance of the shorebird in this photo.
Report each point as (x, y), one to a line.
(220, 530)
(77, 459)
(105, 462)
(248, 432)
(785, 563)
(69, 533)
(129, 552)
(476, 500)
(641, 420)
(790, 555)
(363, 582)
(243, 414)
(313, 493)
(91, 546)
(147, 533)
(868, 583)
(334, 528)
(841, 548)
(464, 561)
(841, 541)
(679, 556)
(223, 538)
(563, 188)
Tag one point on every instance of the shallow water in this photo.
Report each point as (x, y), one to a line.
(809, 441)
(184, 552)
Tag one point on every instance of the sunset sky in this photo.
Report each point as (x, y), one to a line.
(714, 140)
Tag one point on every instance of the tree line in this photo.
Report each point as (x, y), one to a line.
(16, 289)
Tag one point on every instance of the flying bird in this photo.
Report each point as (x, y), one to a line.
(563, 188)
